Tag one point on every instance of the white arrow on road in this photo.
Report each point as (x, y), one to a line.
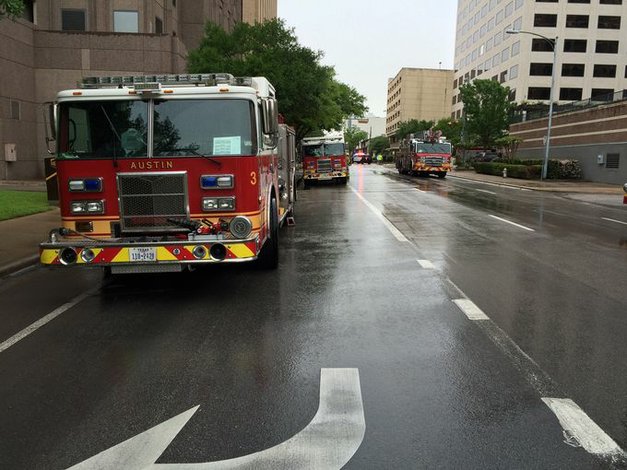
(328, 441)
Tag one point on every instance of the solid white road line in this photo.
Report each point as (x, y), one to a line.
(512, 223)
(470, 309)
(42, 321)
(486, 191)
(614, 220)
(396, 232)
(426, 264)
(579, 427)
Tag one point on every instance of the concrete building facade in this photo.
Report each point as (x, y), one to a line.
(58, 42)
(258, 11)
(591, 48)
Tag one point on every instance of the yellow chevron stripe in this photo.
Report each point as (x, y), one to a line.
(240, 250)
(48, 256)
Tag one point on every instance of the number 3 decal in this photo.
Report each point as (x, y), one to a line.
(253, 178)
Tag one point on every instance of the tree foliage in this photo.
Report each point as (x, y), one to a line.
(310, 98)
(352, 137)
(413, 126)
(451, 129)
(379, 144)
(486, 109)
(11, 8)
(509, 144)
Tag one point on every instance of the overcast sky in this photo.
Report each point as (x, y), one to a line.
(369, 41)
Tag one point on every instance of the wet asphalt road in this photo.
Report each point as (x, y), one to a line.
(439, 390)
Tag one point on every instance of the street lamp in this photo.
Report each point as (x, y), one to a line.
(547, 145)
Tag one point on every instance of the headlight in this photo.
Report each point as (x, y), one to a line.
(625, 187)
(211, 204)
(240, 226)
(87, 207)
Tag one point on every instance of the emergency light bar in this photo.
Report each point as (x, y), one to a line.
(148, 82)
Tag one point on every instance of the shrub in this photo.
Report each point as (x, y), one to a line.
(531, 169)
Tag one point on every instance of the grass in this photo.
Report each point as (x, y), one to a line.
(19, 203)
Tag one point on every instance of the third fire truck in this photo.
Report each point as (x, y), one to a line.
(163, 173)
(422, 157)
(324, 159)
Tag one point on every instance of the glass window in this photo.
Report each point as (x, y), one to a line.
(575, 45)
(578, 1)
(611, 2)
(73, 20)
(125, 21)
(609, 22)
(577, 21)
(573, 70)
(106, 129)
(204, 127)
(513, 71)
(571, 94)
(158, 25)
(606, 47)
(540, 69)
(539, 93)
(516, 48)
(602, 94)
(604, 70)
(545, 20)
(334, 150)
(541, 45)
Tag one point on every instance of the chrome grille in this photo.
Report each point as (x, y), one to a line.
(148, 200)
(434, 161)
(324, 166)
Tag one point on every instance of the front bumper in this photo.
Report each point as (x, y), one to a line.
(326, 176)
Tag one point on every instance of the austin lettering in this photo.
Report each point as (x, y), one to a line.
(158, 165)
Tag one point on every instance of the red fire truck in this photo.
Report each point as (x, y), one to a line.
(163, 173)
(422, 157)
(324, 159)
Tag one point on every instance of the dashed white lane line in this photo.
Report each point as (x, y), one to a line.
(512, 223)
(580, 430)
(614, 220)
(42, 321)
(470, 309)
(426, 264)
(396, 232)
(486, 191)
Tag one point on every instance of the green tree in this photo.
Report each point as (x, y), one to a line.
(509, 144)
(11, 8)
(451, 129)
(352, 137)
(413, 126)
(379, 144)
(310, 98)
(486, 107)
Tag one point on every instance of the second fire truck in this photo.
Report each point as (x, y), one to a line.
(430, 155)
(324, 159)
(163, 173)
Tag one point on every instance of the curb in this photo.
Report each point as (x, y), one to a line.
(10, 268)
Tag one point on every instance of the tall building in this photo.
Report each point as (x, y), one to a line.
(58, 42)
(591, 48)
(422, 94)
(258, 11)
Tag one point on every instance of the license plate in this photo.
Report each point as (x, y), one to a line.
(325, 177)
(142, 254)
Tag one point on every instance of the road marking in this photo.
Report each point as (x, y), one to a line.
(580, 430)
(329, 441)
(485, 191)
(420, 190)
(42, 321)
(470, 309)
(426, 264)
(614, 220)
(512, 223)
(396, 232)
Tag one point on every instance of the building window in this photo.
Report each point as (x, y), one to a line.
(604, 70)
(606, 47)
(538, 93)
(577, 21)
(611, 2)
(540, 45)
(575, 45)
(573, 70)
(546, 1)
(516, 48)
(158, 25)
(544, 69)
(512, 95)
(513, 71)
(503, 77)
(545, 20)
(612, 160)
(602, 94)
(609, 22)
(28, 13)
(73, 20)
(125, 21)
(571, 94)
(16, 109)
(578, 1)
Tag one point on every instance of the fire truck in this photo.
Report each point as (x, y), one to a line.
(164, 173)
(422, 157)
(324, 159)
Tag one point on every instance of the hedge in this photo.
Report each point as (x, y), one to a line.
(531, 169)
(514, 171)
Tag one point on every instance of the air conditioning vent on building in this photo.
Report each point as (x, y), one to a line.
(612, 161)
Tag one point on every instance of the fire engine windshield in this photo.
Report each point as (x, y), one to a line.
(204, 127)
(334, 150)
(427, 147)
(312, 150)
(103, 129)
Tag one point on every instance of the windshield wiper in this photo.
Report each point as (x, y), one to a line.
(194, 152)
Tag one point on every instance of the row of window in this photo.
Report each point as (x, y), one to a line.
(124, 21)
(574, 70)
(601, 2)
(573, 94)
(549, 20)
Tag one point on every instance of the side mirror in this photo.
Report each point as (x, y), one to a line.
(50, 122)
(270, 116)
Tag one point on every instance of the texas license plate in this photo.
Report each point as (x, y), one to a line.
(142, 254)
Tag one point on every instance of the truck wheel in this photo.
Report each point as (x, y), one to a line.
(441, 175)
(269, 255)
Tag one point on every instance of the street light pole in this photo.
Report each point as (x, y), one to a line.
(547, 145)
